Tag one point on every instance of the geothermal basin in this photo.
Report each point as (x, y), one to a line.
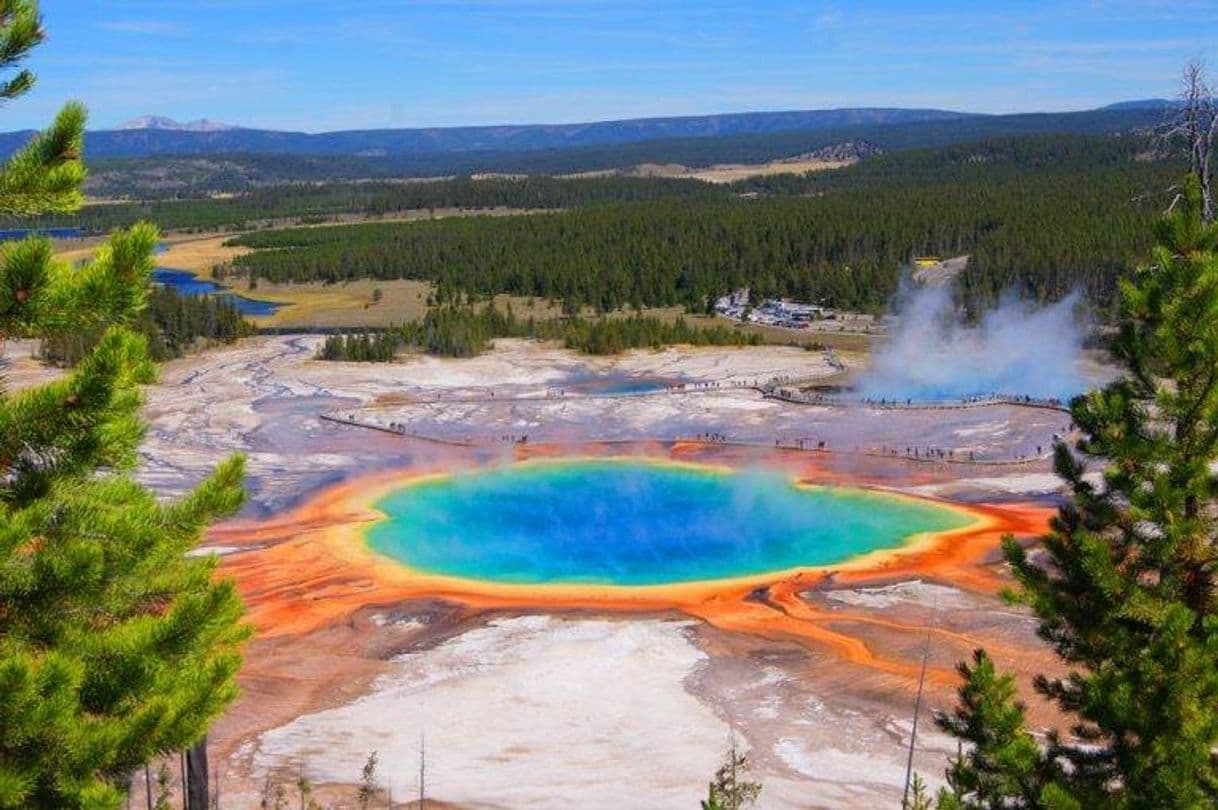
(794, 610)
(638, 522)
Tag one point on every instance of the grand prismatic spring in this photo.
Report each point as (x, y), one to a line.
(629, 522)
(539, 607)
(657, 567)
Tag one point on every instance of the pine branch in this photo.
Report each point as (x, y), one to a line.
(20, 32)
(44, 177)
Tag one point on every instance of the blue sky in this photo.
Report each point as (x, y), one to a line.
(302, 64)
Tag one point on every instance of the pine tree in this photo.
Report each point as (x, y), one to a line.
(369, 785)
(304, 788)
(115, 647)
(919, 798)
(730, 789)
(1002, 767)
(1125, 590)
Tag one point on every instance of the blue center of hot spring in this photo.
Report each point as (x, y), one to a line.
(636, 523)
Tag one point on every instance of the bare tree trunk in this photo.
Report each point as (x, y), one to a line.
(148, 785)
(422, 771)
(196, 776)
(913, 734)
(1196, 122)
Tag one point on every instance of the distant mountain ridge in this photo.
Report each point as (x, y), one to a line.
(1144, 104)
(159, 122)
(153, 136)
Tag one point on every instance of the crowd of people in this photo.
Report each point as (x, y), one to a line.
(775, 390)
(783, 388)
(810, 444)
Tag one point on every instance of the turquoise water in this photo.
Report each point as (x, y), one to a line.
(634, 523)
(16, 234)
(615, 384)
(186, 283)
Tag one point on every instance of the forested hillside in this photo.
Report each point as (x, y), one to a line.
(993, 159)
(184, 172)
(306, 201)
(1039, 217)
(999, 159)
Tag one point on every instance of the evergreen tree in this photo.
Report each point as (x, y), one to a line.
(369, 786)
(919, 798)
(115, 647)
(1125, 591)
(1002, 766)
(731, 789)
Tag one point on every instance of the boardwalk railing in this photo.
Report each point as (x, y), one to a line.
(806, 446)
(784, 389)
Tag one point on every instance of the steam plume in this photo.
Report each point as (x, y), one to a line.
(1016, 350)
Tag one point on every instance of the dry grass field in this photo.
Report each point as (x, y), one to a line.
(731, 172)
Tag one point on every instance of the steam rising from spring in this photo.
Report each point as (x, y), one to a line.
(1017, 350)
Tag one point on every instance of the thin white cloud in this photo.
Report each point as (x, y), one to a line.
(1079, 48)
(151, 28)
